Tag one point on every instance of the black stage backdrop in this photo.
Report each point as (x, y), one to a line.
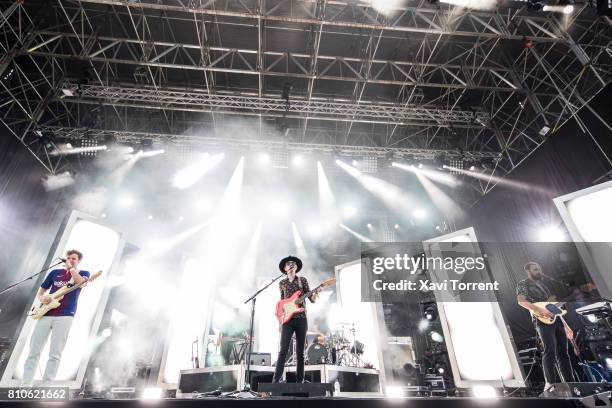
(567, 162)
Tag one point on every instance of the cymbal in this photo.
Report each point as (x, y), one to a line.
(230, 339)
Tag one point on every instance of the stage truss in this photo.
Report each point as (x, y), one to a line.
(309, 75)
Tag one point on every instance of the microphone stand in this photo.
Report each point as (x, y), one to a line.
(253, 299)
(30, 277)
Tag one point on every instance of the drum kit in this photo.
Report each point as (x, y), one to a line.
(340, 347)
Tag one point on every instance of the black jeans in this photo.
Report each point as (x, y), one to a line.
(300, 327)
(554, 341)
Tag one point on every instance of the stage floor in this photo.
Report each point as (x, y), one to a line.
(289, 402)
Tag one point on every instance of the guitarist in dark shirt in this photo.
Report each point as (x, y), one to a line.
(290, 266)
(554, 336)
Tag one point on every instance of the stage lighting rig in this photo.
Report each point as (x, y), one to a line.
(369, 164)
(430, 312)
(440, 368)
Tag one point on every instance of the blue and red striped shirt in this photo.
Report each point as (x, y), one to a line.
(57, 279)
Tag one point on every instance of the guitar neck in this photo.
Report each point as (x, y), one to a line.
(307, 294)
(67, 291)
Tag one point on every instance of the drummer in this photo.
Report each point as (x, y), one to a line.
(320, 330)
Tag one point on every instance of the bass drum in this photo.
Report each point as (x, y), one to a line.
(317, 354)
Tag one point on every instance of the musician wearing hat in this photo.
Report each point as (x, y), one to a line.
(290, 266)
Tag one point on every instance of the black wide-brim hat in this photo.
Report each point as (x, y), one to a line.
(295, 259)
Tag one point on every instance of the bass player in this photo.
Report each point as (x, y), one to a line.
(554, 336)
(56, 321)
(290, 266)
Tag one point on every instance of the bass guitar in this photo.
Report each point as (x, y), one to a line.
(38, 312)
(552, 307)
(287, 308)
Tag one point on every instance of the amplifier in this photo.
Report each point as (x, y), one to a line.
(262, 359)
(222, 378)
(435, 382)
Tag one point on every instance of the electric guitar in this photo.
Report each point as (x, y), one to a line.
(287, 308)
(552, 307)
(38, 312)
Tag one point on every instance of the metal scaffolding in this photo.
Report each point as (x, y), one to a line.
(426, 78)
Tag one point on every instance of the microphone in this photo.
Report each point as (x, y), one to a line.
(62, 259)
(567, 285)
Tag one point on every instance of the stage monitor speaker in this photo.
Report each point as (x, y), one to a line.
(262, 359)
(576, 390)
(306, 390)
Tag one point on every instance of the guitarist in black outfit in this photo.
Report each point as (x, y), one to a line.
(290, 266)
(554, 336)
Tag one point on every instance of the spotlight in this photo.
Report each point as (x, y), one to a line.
(152, 393)
(396, 226)
(103, 215)
(551, 233)
(297, 160)
(438, 227)
(420, 166)
(264, 158)
(472, 168)
(151, 153)
(107, 332)
(394, 391)
(369, 225)
(430, 313)
(349, 211)
(419, 213)
(354, 163)
(125, 201)
(150, 217)
(484, 392)
(440, 368)
(592, 318)
(45, 140)
(564, 9)
(181, 218)
(437, 337)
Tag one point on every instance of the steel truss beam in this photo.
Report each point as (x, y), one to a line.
(361, 15)
(206, 142)
(183, 56)
(252, 105)
(25, 93)
(518, 71)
